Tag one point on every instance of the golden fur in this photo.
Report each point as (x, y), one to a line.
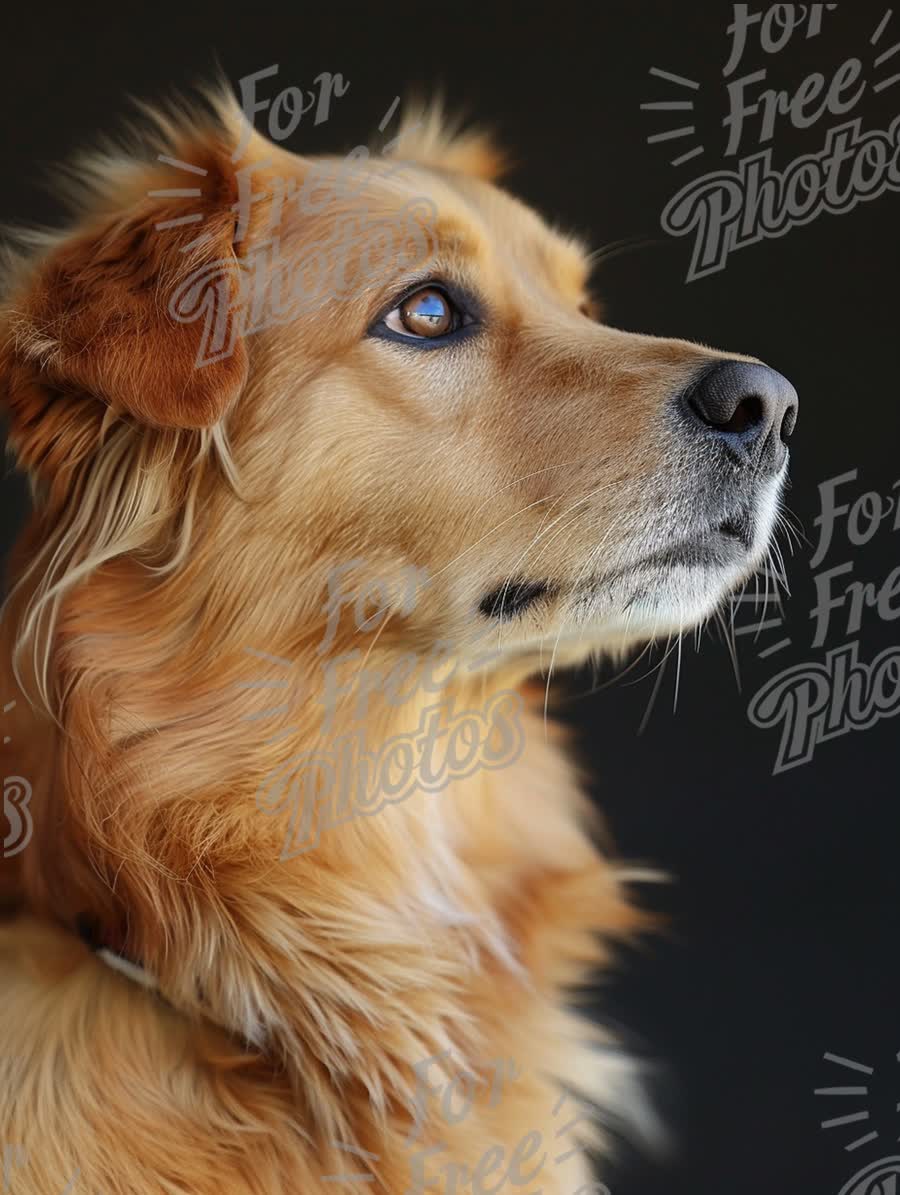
(184, 515)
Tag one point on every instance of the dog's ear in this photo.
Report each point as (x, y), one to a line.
(88, 327)
(431, 138)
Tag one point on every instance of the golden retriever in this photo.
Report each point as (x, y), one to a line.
(329, 458)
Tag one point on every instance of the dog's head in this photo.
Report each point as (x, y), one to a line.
(266, 368)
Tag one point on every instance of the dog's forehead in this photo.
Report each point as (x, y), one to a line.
(476, 224)
(498, 228)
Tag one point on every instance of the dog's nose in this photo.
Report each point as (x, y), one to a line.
(749, 408)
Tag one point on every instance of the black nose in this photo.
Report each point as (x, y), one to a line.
(749, 408)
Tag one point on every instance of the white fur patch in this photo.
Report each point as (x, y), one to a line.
(129, 970)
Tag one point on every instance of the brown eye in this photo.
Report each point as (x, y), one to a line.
(426, 314)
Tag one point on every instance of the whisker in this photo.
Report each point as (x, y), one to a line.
(660, 671)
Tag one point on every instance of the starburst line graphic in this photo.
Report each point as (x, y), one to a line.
(583, 1115)
(179, 165)
(180, 193)
(386, 119)
(842, 1091)
(274, 710)
(672, 134)
(886, 55)
(196, 192)
(759, 626)
(847, 1062)
(669, 77)
(850, 1118)
(775, 648)
(668, 106)
(688, 105)
(674, 106)
(178, 222)
(299, 689)
(175, 193)
(756, 628)
(354, 1177)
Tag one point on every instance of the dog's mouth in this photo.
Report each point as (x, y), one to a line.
(679, 584)
(725, 543)
(665, 579)
(738, 527)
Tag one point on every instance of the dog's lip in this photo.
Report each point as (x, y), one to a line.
(691, 553)
(714, 546)
(738, 526)
(694, 552)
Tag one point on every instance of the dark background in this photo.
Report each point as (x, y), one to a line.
(782, 938)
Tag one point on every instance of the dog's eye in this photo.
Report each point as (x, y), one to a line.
(427, 314)
(433, 316)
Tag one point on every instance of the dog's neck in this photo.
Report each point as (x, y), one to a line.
(178, 808)
(323, 741)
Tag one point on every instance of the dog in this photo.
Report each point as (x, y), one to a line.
(330, 459)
